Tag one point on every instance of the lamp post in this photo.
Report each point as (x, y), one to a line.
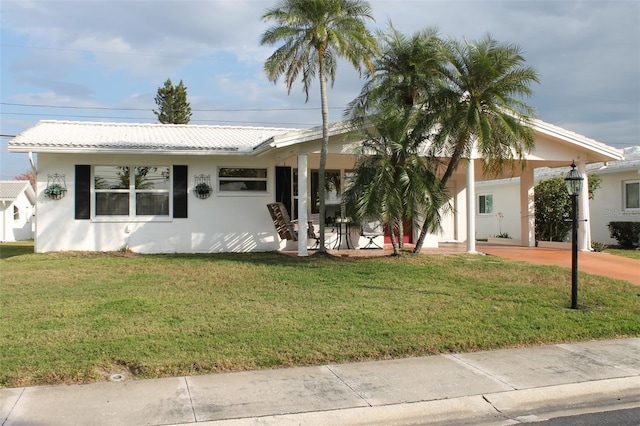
(573, 182)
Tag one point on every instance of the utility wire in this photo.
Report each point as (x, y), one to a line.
(147, 109)
(147, 119)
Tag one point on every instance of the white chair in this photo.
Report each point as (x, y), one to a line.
(372, 230)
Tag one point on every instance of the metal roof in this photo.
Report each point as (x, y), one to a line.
(70, 136)
(11, 189)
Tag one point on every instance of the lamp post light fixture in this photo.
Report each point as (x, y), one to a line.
(573, 182)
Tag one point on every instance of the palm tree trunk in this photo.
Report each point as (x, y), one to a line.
(394, 242)
(400, 233)
(323, 151)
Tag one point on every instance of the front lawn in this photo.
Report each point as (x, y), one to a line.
(633, 254)
(77, 317)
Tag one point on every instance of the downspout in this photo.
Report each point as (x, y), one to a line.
(5, 205)
(34, 169)
(34, 216)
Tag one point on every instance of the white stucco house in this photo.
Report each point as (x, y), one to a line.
(17, 206)
(617, 199)
(133, 185)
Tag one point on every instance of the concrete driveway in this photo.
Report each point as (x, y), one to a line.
(605, 264)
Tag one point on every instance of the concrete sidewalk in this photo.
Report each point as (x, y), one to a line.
(498, 388)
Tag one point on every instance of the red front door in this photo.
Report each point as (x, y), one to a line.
(407, 236)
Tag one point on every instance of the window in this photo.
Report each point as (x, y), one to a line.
(485, 204)
(16, 213)
(632, 195)
(132, 190)
(333, 194)
(242, 179)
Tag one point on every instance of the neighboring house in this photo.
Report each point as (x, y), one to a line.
(617, 199)
(17, 204)
(134, 185)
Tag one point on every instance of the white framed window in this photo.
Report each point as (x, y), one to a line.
(631, 195)
(16, 213)
(132, 191)
(485, 204)
(242, 179)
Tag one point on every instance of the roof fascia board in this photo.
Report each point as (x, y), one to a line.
(301, 136)
(576, 139)
(116, 151)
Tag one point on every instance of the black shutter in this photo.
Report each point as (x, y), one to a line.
(283, 187)
(179, 191)
(83, 191)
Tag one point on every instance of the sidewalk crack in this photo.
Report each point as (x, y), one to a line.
(497, 410)
(349, 386)
(479, 369)
(13, 407)
(193, 408)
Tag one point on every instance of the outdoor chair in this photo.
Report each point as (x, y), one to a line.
(371, 229)
(285, 227)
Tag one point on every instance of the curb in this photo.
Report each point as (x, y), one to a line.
(501, 408)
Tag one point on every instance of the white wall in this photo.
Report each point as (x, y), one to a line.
(506, 200)
(604, 208)
(221, 223)
(607, 205)
(20, 228)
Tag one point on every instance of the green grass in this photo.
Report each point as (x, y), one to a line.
(76, 317)
(633, 254)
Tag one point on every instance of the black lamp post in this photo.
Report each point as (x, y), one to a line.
(573, 182)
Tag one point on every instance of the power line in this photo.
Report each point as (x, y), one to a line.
(60, 49)
(147, 109)
(147, 119)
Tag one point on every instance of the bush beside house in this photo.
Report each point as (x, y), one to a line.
(626, 233)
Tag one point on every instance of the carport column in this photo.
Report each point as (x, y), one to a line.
(584, 224)
(527, 209)
(471, 207)
(302, 205)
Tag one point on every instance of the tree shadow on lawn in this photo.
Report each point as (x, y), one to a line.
(12, 249)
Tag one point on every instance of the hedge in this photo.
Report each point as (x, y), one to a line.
(627, 233)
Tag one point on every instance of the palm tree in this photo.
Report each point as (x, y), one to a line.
(405, 73)
(391, 181)
(314, 34)
(395, 102)
(480, 107)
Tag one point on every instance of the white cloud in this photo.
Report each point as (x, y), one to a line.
(101, 52)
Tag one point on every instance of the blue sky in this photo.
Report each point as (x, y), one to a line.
(104, 61)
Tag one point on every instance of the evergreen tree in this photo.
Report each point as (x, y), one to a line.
(173, 107)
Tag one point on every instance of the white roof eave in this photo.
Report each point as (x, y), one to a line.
(120, 151)
(611, 154)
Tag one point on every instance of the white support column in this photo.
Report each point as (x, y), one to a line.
(302, 205)
(584, 224)
(471, 207)
(527, 209)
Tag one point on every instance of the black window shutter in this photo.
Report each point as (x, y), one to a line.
(283, 187)
(179, 191)
(83, 191)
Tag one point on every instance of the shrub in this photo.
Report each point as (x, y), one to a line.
(553, 207)
(626, 233)
(597, 246)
